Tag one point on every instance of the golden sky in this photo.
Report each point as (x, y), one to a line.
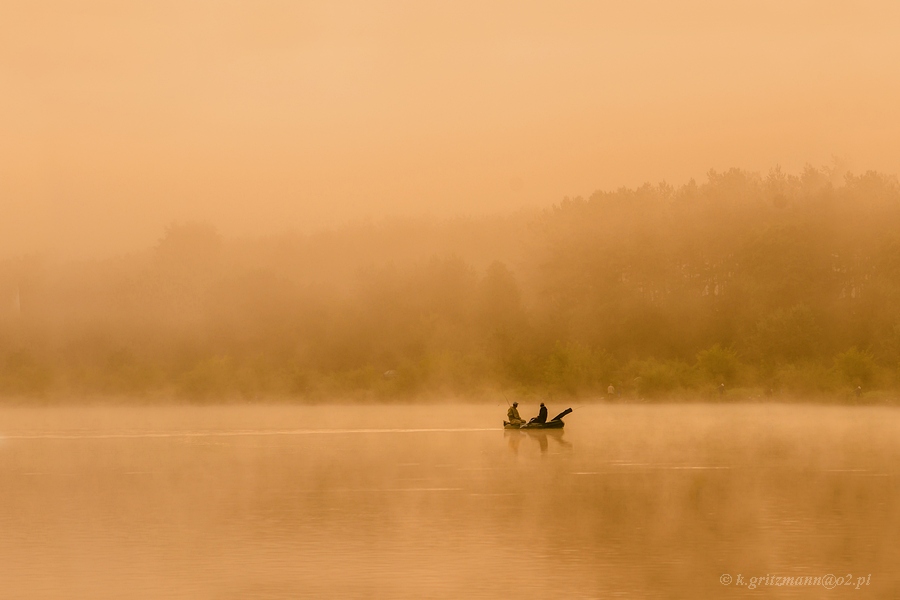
(118, 117)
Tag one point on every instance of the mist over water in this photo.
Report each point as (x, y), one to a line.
(416, 209)
(784, 285)
(440, 502)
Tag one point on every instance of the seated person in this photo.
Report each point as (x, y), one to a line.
(513, 415)
(542, 415)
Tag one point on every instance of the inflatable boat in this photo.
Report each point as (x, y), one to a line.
(554, 423)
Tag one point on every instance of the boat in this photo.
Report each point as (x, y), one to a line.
(554, 423)
(534, 426)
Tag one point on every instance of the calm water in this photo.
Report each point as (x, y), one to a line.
(439, 502)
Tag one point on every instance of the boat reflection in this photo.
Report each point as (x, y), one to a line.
(541, 436)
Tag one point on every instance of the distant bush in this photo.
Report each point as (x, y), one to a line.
(855, 367)
(575, 367)
(718, 364)
(21, 373)
(208, 379)
(653, 377)
(805, 378)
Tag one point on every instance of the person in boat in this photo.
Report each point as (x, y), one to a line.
(542, 415)
(513, 415)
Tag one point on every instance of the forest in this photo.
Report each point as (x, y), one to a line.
(774, 286)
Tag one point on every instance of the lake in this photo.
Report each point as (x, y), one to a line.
(437, 501)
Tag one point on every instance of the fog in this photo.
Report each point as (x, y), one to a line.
(744, 286)
(264, 117)
(272, 273)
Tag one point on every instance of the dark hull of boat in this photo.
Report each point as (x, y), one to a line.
(534, 426)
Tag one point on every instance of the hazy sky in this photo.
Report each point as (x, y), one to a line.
(118, 117)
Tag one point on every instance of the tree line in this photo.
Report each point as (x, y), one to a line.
(781, 285)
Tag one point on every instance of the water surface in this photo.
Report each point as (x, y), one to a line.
(439, 502)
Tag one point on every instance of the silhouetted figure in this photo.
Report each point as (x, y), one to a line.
(610, 391)
(542, 415)
(858, 391)
(721, 389)
(513, 415)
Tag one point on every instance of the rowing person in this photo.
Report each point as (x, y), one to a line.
(542, 415)
(513, 415)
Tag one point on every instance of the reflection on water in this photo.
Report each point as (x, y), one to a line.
(542, 437)
(380, 502)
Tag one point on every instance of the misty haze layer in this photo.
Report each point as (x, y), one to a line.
(772, 284)
(117, 118)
